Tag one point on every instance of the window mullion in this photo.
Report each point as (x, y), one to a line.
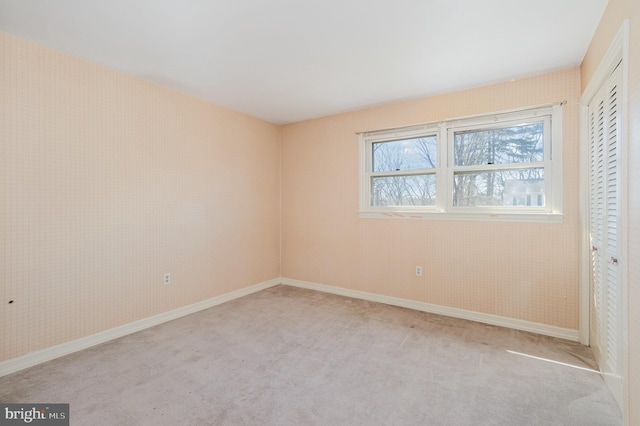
(444, 178)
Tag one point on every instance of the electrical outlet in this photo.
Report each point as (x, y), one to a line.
(167, 278)
(418, 271)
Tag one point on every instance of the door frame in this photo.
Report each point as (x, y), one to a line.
(618, 52)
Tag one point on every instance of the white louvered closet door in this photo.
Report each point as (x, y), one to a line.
(606, 303)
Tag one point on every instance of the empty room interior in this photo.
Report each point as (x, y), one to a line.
(412, 212)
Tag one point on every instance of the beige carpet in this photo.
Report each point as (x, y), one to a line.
(287, 356)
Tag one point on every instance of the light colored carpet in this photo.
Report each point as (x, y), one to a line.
(287, 356)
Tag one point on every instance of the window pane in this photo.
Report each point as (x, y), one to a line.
(500, 188)
(406, 154)
(414, 190)
(515, 144)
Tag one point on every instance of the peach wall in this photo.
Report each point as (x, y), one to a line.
(617, 11)
(107, 182)
(522, 271)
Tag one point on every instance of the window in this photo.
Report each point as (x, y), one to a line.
(403, 172)
(501, 166)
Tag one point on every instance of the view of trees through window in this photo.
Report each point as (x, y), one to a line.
(411, 179)
(489, 151)
(491, 167)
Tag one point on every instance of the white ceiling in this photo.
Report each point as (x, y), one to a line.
(290, 60)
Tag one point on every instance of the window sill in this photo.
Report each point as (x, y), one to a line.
(471, 217)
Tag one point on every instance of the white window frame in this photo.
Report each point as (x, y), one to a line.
(550, 115)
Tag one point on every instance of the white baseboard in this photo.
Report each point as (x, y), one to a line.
(534, 327)
(48, 354)
(37, 357)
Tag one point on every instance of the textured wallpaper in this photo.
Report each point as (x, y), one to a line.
(526, 271)
(108, 182)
